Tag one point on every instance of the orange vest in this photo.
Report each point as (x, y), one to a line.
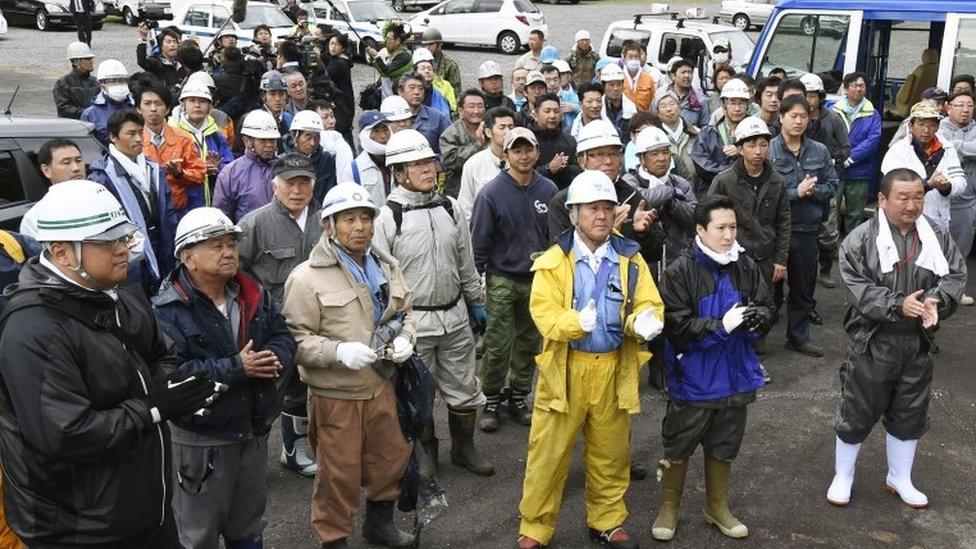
(643, 93)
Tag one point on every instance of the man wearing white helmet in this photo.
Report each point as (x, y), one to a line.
(305, 139)
(91, 384)
(594, 298)
(245, 184)
(398, 114)
(114, 80)
(582, 59)
(333, 141)
(617, 107)
(197, 118)
(74, 91)
(463, 139)
(440, 94)
(202, 80)
(715, 149)
(490, 81)
(363, 305)
(430, 239)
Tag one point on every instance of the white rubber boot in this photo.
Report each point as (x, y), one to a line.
(901, 456)
(845, 457)
(295, 452)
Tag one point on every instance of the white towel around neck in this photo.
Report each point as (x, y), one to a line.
(929, 257)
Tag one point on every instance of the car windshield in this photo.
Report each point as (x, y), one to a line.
(372, 11)
(742, 45)
(264, 15)
(524, 6)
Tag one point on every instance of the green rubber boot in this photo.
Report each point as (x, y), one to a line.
(671, 475)
(717, 493)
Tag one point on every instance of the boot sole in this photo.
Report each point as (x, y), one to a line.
(891, 490)
(725, 531)
(461, 463)
(660, 535)
(838, 503)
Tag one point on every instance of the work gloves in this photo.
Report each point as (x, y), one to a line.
(733, 318)
(402, 350)
(587, 317)
(355, 355)
(647, 325)
(479, 315)
(181, 395)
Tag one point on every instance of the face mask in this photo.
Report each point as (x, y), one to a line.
(721, 57)
(633, 65)
(117, 92)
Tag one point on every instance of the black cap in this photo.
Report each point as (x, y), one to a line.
(292, 165)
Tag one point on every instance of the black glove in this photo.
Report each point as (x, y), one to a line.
(754, 319)
(180, 395)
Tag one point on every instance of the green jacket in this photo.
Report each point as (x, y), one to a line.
(447, 69)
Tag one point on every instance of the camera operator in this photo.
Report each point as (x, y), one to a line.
(163, 65)
(227, 38)
(262, 47)
(302, 26)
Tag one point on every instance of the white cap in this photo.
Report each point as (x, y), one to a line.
(723, 42)
(674, 59)
(79, 50)
(228, 31)
(651, 138)
(306, 121)
(407, 146)
(201, 77)
(612, 73)
(735, 89)
(422, 54)
(195, 89)
(200, 224)
(562, 66)
(488, 69)
(80, 210)
(749, 127)
(598, 133)
(395, 108)
(589, 187)
(582, 34)
(111, 68)
(259, 124)
(812, 82)
(346, 196)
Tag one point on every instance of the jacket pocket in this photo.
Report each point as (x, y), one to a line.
(339, 313)
(280, 268)
(92, 481)
(194, 465)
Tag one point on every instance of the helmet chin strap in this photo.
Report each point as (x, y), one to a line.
(79, 270)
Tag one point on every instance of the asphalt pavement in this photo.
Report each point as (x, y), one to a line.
(786, 462)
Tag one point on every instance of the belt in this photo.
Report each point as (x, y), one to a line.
(445, 307)
(593, 358)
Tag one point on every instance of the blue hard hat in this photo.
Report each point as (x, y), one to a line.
(371, 118)
(603, 62)
(548, 55)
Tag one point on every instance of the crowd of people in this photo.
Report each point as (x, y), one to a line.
(239, 255)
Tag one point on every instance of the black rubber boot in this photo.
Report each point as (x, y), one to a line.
(378, 526)
(489, 417)
(429, 444)
(463, 452)
(518, 409)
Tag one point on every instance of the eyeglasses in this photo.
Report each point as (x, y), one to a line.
(125, 240)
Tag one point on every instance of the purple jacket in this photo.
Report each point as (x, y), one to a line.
(101, 109)
(243, 185)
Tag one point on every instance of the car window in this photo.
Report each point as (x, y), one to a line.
(219, 18)
(619, 36)
(524, 6)
(683, 45)
(489, 6)
(459, 6)
(91, 151)
(803, 42)
(197, 17)
(965, 56)
(372, 11)
(11, 190)
(259, 15)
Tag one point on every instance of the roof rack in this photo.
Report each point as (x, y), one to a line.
(691, 14)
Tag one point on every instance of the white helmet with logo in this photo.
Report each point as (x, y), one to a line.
(347, 196)
(589, 187)
(201, 77)
(395, 108)
(488, 69)
(651, 138)
(422, 54)
(407, 146)
(612, 73)
(79, 50)
(812, 82)
(259, 124)
(111, 68)
(195, 89)
(80, 211)
(751, 126)
(735, 89)
(306, 121)
(598, 133)
(201, 224)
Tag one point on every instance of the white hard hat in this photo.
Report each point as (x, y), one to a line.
(395, 108)
(260, 124)
(651, 138)
(612, 73)
(749, 127)
(407, 146)
(812, 82)
(561, 65)
(200, 224)
(422, 54)
(589, 187)
(79, 50)
(735, 89)
(598, 133)
(488, 69)
(111, 68)
(80, 210)
(306, 121)
(201, 77)
(195, 89)
(582, 34)
(227, 31)
(346, 196)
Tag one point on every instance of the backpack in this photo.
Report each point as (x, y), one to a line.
(398, 209)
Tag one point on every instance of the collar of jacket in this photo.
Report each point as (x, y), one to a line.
(102, 99)
(209, 125)
(313, 208)
(564, 241)
(866, 110)
(508, 179)
(178, 288)
(325, 255)
(411, 198)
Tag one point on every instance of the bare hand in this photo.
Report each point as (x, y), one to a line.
(805, 188)
(939, 182)
(174, 166)
(912, 307)
(260, 364)
(730, 150)
(643, 218)
(479, 135)
(620, 214)
(779, 272)
(371, 52)
(566, 108)
(143, 31)
(931, 316)
(558, 162)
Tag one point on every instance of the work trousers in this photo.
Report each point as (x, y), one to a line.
(357, 443)
(220, 492)
(961, 219)
(83, 22)
(450, 358)
(828, 235)
(592, 408)
(802, 271)
(511, 338)
(293, 392)
(854, 194)
(718, 431)
(890, 380)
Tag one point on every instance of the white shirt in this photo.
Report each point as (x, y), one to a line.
(477, 171)
(371, 178)
(594, 258)
(301, 219)
(937, 205)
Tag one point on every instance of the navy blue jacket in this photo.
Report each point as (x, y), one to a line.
(713, 364)
(814, 159)
(203, 342)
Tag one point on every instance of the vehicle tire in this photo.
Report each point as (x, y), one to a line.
(508, 43)
(808, 25)
(41, 21)
(400, 5)
(741, 21)
(129, 18)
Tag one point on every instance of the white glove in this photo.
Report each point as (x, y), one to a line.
(647, 325)
(402, 349)
(587, 317)
(355, 355)
(733, 318)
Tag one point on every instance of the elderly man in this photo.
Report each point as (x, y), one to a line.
(196, 118)
(462, 139)
(902, 277)
(430, 122)
(594, 298)
(367, 169)
(274, 240)
(582, 59)
(297, 92)
(305, 139)
(225, 325)
(353, 427)
(74, 91)
(486, 164)
(85, 395)
(114, 96)
(245, 184)
(431, 241)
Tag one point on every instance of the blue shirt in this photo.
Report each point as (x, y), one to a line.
(608, 333)
(369, 274)
(431, 123)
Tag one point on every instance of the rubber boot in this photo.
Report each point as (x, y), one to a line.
(826, 278)
(672, 477)
(489, 417)
(295, 453)
(378, 526)
(717, 493)
(518, 409)
(430, 446)
(463, 452)
(901, 457)
(845, 458)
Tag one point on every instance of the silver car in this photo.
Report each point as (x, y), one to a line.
(744, 14)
